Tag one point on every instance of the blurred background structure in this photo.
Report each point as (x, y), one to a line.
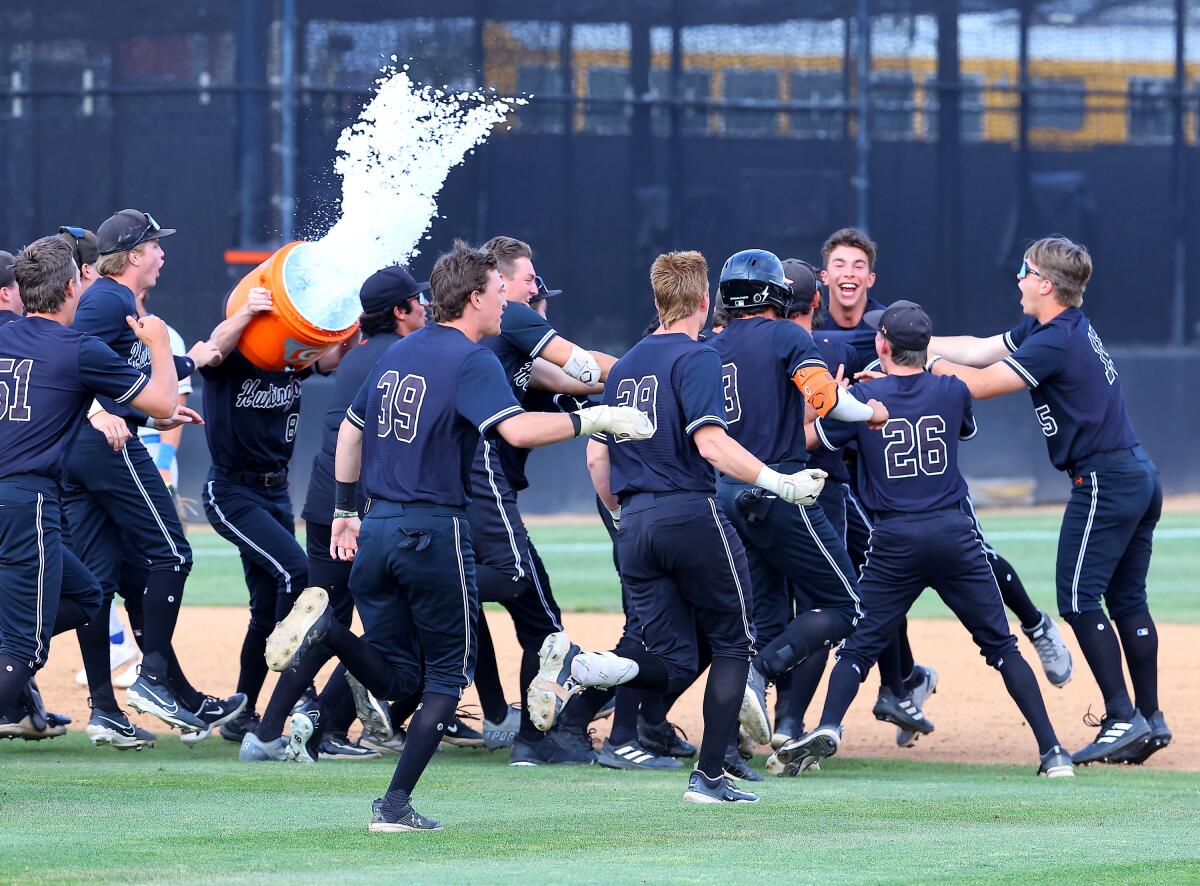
(955, 131)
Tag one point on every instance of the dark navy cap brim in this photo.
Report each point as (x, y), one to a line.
(873, 318)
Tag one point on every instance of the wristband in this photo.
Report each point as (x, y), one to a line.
(339, 514)
(576, 424)
(768, 479)
(929, 363)
(166, 455)
(346, 497)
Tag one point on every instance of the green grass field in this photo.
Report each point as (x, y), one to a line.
(73, 815)
(579, 561)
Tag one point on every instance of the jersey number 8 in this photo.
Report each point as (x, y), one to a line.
(400, 407)
(913, 449)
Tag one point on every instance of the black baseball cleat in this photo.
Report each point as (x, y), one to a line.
(113, 728)
(301, 629)
(633, 755)
(375, 715)
(338, 747)
(1160, 737)
(236, 729)
(215, 712)
(459, 734)
(901, 712)
(702, 789)
(1116, 738)
(786, 728)
(809, 749)
(737, 768)
(1056, 763)
(664, 739)
(149, 695)
(606, 710)
(550, 751)
(393, 812)
(574, 740)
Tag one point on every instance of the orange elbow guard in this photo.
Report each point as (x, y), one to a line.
(818, 387)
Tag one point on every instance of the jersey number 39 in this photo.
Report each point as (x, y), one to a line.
(915, 448)
(400, 406)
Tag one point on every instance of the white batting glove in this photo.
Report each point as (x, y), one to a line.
(801, 488)
(623, 422)
(615, 513)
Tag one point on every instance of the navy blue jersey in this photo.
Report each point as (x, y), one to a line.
(677, 382)
(352, 371)
(49, 374)
(834, 353)
(860, 337)
(912, 464)
(422, 410)
(763, 407)
(8, 317)
(1074, 385)
(250, 415)
(102, 312)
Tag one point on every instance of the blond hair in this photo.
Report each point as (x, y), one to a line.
(506, 251)
(680, 282)
(114, 264)
(1065, 264)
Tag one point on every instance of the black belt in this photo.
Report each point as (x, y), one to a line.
(246, 478)
(1097, 459)
(891, 515)
(625, 497)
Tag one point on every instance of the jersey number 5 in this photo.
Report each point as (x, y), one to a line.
(400, 407)
(14, 389)
(913, 449)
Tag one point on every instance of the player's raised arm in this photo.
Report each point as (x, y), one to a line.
(547, 376)
(969, 350)
(225, 335)
(588, 367)
(160, 396)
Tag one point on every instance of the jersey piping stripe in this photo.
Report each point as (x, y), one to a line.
(462, 579)
(153, 510)
(133, 391)
(41, 580)
(824, 440)
(496, 418)
(355, 419)
(974, 430)
(846, 582)
(809, 361)
(1021, 371)
(512, 541)
(737, 583)
(706, 420)
(537, 584)
(1009, 343)
(287, 578)
(545, 340)
(1083, 543)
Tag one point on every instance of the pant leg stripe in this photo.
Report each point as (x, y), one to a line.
(845, 580)
(737, 583)
(153, 510)
(858, 507)
(41, 580)
(512, 540)
(287, 578)
(462, 579)
(987, 548)
(1087, 531)
(537, 584)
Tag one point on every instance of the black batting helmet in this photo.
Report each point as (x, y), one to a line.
(753, 278)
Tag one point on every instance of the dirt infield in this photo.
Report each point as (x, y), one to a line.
(976, 722)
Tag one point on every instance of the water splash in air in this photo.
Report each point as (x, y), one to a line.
(393, 162)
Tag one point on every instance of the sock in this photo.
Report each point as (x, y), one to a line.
(582, 709)
(135, 611)
(1098, 641)
(254, 669)
(783, 690)
(428, 724)
(1023, 687)
(14, 674)
(116, 630)
(843, 686)
(164, 594)
(70, 616)
(1139, 639)
(624, 725)
(1013, 592)
(93, 646)
(722, 701)
(337, 703)
(364, 661)
(403, 708)
(906, 655)
(652, 671)
(809, 631)
(891, 671)
(805, 680)
(529, 667)
(287, 692)
(487, 675)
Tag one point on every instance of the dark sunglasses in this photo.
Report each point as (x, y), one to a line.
(75, 232)
(1025, 269)
(151, 227)
(542, 288)
(421, 298)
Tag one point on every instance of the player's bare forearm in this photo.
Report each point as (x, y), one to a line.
(160, 396)
(726, 454)
(969, 350)
(347, 459)
(586, 366)
(174, 436)
(606, 361)
(545, 376)
(530, 429)
(600, 470)
(992, 381)
(226, 333)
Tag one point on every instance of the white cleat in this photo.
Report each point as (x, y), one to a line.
(602, 670)
(553, 686)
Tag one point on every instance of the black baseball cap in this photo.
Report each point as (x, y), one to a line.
(542, 291)
(389, 288)
(802, 276)
(904, 323)
(82, 242)
(127, 229)
(6, 268)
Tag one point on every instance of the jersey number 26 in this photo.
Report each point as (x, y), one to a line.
(915, 448)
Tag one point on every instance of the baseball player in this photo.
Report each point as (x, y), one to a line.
(682, 560)
(48, 375)
(1116, 495)
(410, 434)
(771, 369)
(922, 537)
(508, 567)
(116, 502)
